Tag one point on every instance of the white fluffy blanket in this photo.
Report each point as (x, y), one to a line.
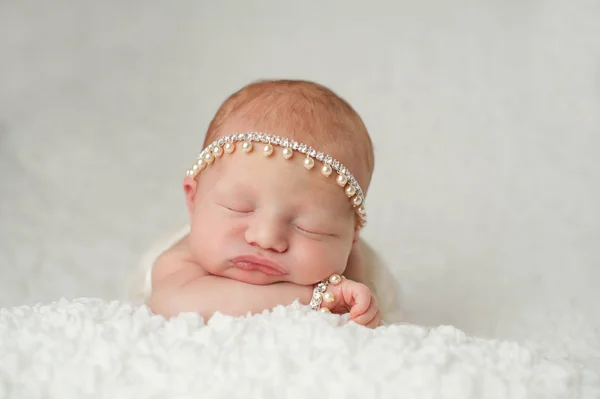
(93, 348)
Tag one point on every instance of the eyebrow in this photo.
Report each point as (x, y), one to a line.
(237, 188)
(317, 207)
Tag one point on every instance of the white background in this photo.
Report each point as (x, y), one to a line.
(485, 119)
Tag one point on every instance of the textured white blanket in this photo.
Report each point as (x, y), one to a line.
(93, 348)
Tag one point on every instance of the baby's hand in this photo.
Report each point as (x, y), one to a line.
(356, 298)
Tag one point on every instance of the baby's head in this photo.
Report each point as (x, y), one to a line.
(262, 211)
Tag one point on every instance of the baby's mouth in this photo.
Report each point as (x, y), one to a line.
(260, 264)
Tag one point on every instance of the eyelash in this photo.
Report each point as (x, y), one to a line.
(311, 232)
(236, 211)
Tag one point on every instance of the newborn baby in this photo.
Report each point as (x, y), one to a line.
(276, 206)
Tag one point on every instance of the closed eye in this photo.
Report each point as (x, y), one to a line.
(313, 233)
(237, 209)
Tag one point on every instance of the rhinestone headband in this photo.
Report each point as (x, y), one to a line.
(227, 145)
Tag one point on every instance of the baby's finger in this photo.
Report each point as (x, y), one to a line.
(375, 322)
(359, 297)
(366, 317)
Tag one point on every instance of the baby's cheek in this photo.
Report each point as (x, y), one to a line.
(319, 264)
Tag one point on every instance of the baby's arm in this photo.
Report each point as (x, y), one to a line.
(180, 285)
(209, 294)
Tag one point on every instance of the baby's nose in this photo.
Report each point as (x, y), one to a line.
(268, 234)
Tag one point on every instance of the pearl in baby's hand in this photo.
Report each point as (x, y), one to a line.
(335, 279)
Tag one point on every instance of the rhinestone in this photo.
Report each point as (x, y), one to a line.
(336, 164)
(285, 142)
(295, 145)
(312, 153)
(303, 148)
(240, 136)
(277, 140)
(343, 170)
(328, 160)
(320, 156)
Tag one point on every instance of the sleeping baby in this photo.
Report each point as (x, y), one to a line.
(276, 207)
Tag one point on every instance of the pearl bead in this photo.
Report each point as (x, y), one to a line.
(341, 180)
(229, 148)
(350, 190)
(217, 151)
(209, 158)
(328, 296)
(247, 146)
(287, 153)
(268, 150)
(361, 210)
(326, 170)
(309, 163)
(356, 201)
(335, 279)
(195, 167)
(190, 173)
(325, 310)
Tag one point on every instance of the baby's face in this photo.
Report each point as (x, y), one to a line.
(262, 220)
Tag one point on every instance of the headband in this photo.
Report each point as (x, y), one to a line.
(227, 145)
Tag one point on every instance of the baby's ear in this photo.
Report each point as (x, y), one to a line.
(189, 187)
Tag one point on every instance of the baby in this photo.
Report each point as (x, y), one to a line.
(276, 206)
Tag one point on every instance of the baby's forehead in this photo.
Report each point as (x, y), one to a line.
(254, 177)
(259, 171)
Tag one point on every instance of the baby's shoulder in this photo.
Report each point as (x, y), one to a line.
(171, 260)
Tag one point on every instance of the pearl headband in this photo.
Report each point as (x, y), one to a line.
(227, 145)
